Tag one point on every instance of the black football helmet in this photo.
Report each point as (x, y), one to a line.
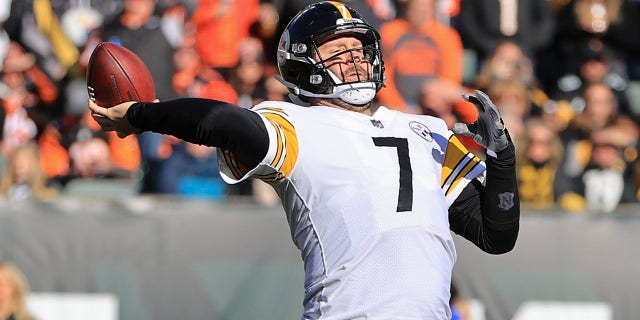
(306, 77)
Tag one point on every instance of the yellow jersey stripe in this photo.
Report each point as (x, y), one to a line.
(275, 124)
(458, 162)
(455, 172)
(287, 142)
(454, 153)
(470, 165)
(276, 110)
(280, 143)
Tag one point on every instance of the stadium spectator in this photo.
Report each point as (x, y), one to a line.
(418, 49)
(508, 66)
(506, 62)
(37, 30)
(31, 88)
(18, 128)
(266, 29)
(74, 130)
(484, 24)
(174, 20)
(14, 288)
(585, 24)
(36, 27)
(220, 26)
(600, 112)
(187, 63)
(539, 157)
(191, 171)
(515, 106)
(605, 179)
(248, 76)
(23, 177)
(194, 78)
(91, 158)
(55, 157)
(596, 65)
(276, 91)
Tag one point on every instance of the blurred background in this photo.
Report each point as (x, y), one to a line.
(97, 227)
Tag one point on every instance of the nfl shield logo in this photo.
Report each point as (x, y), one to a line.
(505, 201)
(377, 123)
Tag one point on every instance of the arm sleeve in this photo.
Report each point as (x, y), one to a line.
(206, 122)
(489, 215)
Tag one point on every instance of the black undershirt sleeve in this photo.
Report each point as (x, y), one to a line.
(206, 122)
(489, 215)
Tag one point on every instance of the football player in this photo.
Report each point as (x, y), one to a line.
(371, 195)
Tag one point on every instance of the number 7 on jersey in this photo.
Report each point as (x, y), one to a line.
(405, 192)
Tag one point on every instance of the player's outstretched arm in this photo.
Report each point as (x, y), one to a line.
(489, 214)
(201, 121)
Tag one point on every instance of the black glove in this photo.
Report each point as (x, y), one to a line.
(489, 130)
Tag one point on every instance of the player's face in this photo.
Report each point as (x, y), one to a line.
(345, 58)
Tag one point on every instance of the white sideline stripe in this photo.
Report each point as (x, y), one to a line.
(73, 306)
(558, 310)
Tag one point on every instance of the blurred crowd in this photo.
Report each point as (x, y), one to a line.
(564, 73)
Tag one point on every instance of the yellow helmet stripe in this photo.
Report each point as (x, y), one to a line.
(346, 14)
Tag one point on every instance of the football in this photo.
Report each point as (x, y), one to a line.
(115, 75)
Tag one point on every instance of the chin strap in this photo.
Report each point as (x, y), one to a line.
(353, 93)
(358, 93)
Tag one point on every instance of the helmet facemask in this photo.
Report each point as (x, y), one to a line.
(358, 91)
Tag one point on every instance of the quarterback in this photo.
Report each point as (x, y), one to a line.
(371, 194)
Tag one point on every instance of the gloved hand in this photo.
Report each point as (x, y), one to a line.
(489, 130)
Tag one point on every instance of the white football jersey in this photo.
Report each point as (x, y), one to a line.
(366, 198)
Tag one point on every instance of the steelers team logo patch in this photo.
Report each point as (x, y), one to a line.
(421, 130)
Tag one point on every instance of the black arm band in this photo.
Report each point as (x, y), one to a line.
(206, 122)
(501, 199)
(489, 216)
